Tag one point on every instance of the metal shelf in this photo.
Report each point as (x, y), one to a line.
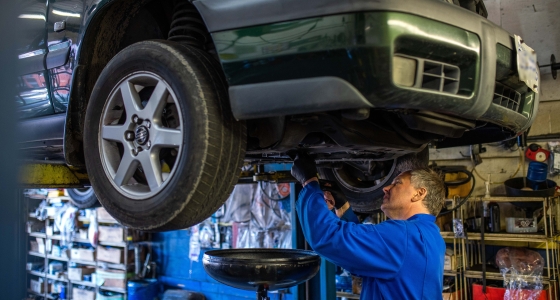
(109, 221)
(38, 234)
(112, 289)
(36, 273)
(451, 273)
(77, 240)
(35, 293)
(112, 266)
(86, 283)
(114, 244)
(347, 295)
(84, 262)
(53, 277)
(494, 274)
(36, 254)
(57, 258)
(510, 237)
(509, 199)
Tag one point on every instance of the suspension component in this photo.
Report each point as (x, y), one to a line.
(187, 27)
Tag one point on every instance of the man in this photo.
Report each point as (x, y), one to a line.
(401, 258)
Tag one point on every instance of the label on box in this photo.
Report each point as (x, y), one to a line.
(524, 223)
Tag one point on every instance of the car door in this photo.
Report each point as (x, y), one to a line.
(33, 97)
(63, 24)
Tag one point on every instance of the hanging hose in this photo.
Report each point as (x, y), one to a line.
(457, 183)
(187, 27)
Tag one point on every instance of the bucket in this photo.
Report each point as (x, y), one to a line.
(144, 289)
(537, 171)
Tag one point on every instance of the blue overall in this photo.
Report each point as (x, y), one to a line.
(396, 259)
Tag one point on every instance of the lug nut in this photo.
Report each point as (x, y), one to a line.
(148, 124)
(148, 144)
(129, 135)
(134, 152)
(137, 120)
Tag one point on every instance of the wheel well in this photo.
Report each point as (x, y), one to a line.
(114, 27)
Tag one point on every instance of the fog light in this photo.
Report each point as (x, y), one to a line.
(404, 71)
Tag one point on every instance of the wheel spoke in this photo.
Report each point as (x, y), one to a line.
(152, 169)
(113, 133)
(157, 101)
(131, 99)
(166, 137)
(127, 167)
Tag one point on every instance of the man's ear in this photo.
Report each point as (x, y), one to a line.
(420, 194)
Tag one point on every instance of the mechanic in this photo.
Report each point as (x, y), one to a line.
(401, 258)
(335, 199)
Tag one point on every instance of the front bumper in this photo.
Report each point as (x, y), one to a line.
(350, 61)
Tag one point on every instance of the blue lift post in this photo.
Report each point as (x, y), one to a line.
(323, 285)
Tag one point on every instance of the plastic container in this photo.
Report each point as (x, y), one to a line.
(145, 289)
(55, 267)
(537, 171)
(521, 225)
(105, 295)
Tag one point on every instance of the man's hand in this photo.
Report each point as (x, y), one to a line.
(333, 188)
(304, 168)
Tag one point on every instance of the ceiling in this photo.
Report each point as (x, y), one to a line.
(536, 21)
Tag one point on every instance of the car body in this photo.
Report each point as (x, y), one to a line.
(360, 85)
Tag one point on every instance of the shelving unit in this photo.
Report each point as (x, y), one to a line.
(45, 258)
(458, 248)
(473, 267)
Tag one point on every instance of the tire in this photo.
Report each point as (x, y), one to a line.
(179, 161)
(367, 197)
(82, 198)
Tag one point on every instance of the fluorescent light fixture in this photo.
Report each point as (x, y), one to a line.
(65, 14)
(32, 16)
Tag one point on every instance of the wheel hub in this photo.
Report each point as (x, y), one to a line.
(141, 135)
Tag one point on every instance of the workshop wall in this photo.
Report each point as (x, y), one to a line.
(497, 162)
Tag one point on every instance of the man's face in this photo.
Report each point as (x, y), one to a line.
(398, 196)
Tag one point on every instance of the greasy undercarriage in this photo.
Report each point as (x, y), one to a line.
(335, 137)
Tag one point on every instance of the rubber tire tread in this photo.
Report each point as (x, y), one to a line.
(82, 201)
(232, 149)
(371, 201)
(182, 213)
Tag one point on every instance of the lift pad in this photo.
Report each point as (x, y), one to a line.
(43, 175)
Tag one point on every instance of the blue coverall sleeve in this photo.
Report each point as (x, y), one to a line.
(363, 249)
(349, 216)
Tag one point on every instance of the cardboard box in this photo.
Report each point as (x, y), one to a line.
(110, 255)
(102, 214)
(82, 294)
(33, 246)
(83, 234)
(79, 272)
(111, 278)
(452, 295)
(49, 230)
(37, 286)
(356, 285)
(82, 254)
(40, 245)
(35, 225)
(453, 262)
(111, 234)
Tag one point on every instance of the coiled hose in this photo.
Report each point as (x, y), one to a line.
(448, 184)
